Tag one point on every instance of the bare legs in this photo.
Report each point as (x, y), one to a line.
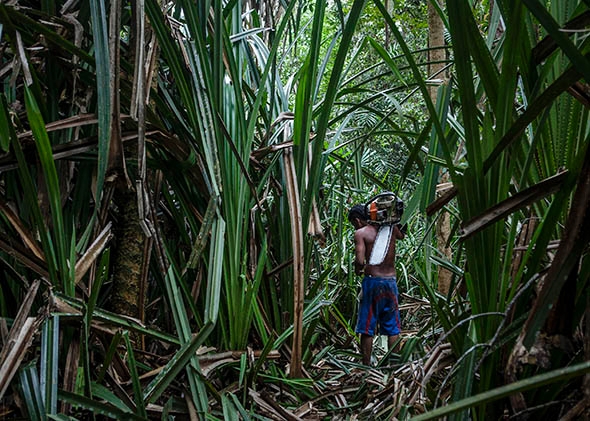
(367, 346)
(390, 341)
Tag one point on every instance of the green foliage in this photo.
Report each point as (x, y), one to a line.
(345, 86)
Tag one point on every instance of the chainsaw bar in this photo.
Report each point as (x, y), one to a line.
(381, 245)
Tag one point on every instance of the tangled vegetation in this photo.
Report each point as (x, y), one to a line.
(174, 184)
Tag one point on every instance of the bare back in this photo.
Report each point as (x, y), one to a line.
(364, 239)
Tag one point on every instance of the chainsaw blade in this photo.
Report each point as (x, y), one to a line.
(381, 245)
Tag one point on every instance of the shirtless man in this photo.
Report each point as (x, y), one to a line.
(379, 296)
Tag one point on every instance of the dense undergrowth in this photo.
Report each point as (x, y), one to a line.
(204, 155)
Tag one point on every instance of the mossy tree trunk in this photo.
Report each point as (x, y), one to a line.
(127, 266)
(128, 295)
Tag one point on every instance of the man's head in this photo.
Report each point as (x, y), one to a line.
(358, 216)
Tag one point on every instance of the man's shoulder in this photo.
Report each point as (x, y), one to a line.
(367, 230)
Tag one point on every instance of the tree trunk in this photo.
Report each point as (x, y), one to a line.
(389, 7)
(436, 57)
(127, 270)
(128, 292)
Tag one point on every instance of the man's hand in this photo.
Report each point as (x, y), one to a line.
(359, 268)
(403, 228)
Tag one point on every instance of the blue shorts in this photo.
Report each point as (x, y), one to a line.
(379, 304)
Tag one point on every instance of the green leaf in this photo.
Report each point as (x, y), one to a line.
(101, 392)
(49, 362)
(100, 33)
(431, 167)
(241, 410)
(305, 100)
(387, 58)
(419, 80)
(215, 270)
(560, 37)
(176, 364)
(318, 159)
(53, 190)
(230, 413)
(108, 358)
(531, 383)
(120, 321)
(535, 108)
(32, 394)
(139, 402)
(61, 417)
(100, 408)
(464, 377)
(458, 10)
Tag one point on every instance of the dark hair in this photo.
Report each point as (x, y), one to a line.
(358, 211)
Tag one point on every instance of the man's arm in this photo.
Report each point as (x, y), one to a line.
(359, 252)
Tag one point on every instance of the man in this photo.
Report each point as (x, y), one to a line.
(379, 295)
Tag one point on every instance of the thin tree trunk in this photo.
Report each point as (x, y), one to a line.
(436, 57)
(389, 7)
